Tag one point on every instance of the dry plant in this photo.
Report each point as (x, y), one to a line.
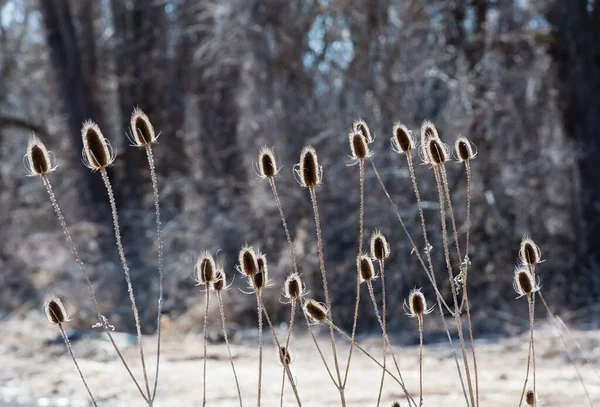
(98, 155)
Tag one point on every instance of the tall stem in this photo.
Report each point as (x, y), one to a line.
(205, 344)
(226, 337)
(383, 327)
(420, 317)
(136, 316)
(260, 343)
(284, 223)
(287, 344)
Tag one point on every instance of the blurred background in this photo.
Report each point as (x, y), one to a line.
(220, 79)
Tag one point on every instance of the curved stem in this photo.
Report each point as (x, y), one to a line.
(226, 337)
(284, 223)
(287, 344)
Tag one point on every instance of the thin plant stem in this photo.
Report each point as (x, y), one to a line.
(468, 172)
(205, 340)
(159, 238)
(312, 334)
(260, 343)
(70, 349)
(287, 344)
(226, 337)
(102, 321)
(420, 317)
(136, 316)
(284, 223)
(313, 196)
(383, 327)
(531, 355)
(361, 165)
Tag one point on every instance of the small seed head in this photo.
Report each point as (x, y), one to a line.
(141, 128)
(436, 152)
(402, 140)
(396, 404)
(365, 268)
(463, 149)
(524, 282)
(293, 287)
(309, 172)
(380, 248)
(248, 261)
(428, 131)
(206, 269)
(284, 355)
(360, 126)
(97, 152)
(417, 305)
(220, 282)
(259, 280)
(38, 160)
(530, 398)
(529, 252)
(316, 311)
(55, 311)
(267, 167)
(358, 146)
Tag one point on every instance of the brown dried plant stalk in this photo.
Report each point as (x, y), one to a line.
(226, 337)
(204, 344)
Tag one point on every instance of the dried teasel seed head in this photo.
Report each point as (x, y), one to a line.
(142, 130)
(417, 305)
(259, 280)
(309, 172)
(380, 248)
(402, 139)
(284, 355)
(360, 126)
(315, 310)
(358, 146)
(365, 267)
(524, 282)
(463, 149)
(267, 167)
(206, 269)
(292, 289)
(248, 261)
(530, 398)
(55, 311)
(436, 152)
(428, 131)
(38, 160)
(220, 282)
(529, 252)
(97, 152)
(396, 404)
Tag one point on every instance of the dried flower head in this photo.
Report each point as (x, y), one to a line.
(360, 126)
(248, 261)
(428, 131)
(358, 146)
(380, 248)
(463, 149)
(284, 355)
(396, 404)
(365, 267)
(267, 167)
(220, 282)
(55, 311)
(435, 152)
(417, 305)
(530, 398)
(97, 151)
(38, 161)
(308, 172)
(524, 283)
(402, 140)
(206, 270)
(142, 131)
(529, 252)
(261, 277)
(315, 310)
(293, 288)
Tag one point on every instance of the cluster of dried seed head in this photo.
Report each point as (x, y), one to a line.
(284, 356)
(315, 310)
(380, 248)
(267, 167)
(365, 268)
(292, 288)
(248, 261)
(360, 126)
(142, 131)
(38, 161)
(260, 279)
(308, 171)
(433, 150)
(417, 305)
(402, 139)
(97, 151)
(55, 311)
(463, 149)
(206, 269)
(530, 398)
(524, 282)
(358, 146)
(428, 131)
(529, 252)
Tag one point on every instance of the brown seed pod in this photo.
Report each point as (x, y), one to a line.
(396, 404)
(529, 252)
(55, 311)
(267, 167)
(436, 152)
(530, 398)
(524, 282)
(428, 131)
(284, 355)
(360, 126)
(315, 310)
(97, 152)
(308, 171)
(142, 130)
(417, 305)
(380, 248)
(220, 282)
(358, 146)
(248, 261)
(292, 289)
(463, 149)
(402, 140)
(206, 269)
(260, 279)
(365, 268)
(37, 160)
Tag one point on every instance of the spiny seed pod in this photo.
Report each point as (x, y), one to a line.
(284, 355)
(259, 280)
(97, 152)
(206, 269)
(266, 163)
(524, 283)
(308, 171)
(402, 141)
(220, 282)
(380, 248)
(248, 261)
(530, 398)
(292, 289)
(529, 252)
(396, 404)
(55, 311)
(37, 160)
(141, 128)
(428, 131)
(436, 152)
(417, 306)
(358, 146)
(316, 311)
(360, 126)
(463, 149)
(365, 267)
